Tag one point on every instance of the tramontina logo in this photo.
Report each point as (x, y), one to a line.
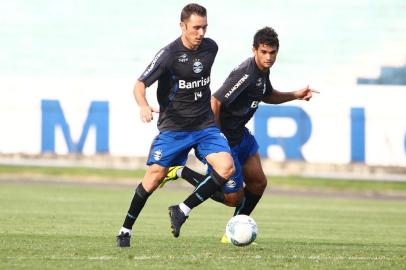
(194, 84)
(238, 84)
(152, 65)
(197, 66)
(158, 154)
(231, 183)
(183, 58)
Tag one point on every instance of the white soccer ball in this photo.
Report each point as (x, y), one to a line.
(241, 230)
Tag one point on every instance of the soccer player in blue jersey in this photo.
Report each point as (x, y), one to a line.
(185, 121)
(233, 105)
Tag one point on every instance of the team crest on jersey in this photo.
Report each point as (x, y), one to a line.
(259, 82)
(197, 66)
(183, 58)
(231, 183)
(158, 154)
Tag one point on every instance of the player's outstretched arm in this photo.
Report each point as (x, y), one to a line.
(305, 93)
(277, 97)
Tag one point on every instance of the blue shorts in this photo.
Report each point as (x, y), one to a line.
(247, 147)
(171, 148)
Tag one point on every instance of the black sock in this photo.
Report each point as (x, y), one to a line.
(137, 203)
(218, 196)
(247, 204)
(192, 177)
(208, 187)
(195, 179)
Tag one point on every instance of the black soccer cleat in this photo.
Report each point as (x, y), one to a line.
(123, 239)
(177, 218)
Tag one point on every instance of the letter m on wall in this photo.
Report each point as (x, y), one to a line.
(53, 117)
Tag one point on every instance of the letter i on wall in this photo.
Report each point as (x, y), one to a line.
(358, 135)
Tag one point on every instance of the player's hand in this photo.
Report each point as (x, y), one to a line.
(146, 113)
(306, 93)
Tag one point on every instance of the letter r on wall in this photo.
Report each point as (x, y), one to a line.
(290, 145)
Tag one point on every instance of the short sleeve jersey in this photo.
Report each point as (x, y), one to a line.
(183, 85)
(240, 95)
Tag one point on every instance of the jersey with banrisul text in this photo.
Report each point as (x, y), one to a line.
(183, 92)
(240, 95)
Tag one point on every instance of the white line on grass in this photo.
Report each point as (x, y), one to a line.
(154, 257)
(317, 257)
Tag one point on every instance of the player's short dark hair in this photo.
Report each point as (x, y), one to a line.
(267, 36)
(190, 9)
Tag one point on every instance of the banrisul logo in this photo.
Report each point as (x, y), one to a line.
(194, 84)
(152, 65)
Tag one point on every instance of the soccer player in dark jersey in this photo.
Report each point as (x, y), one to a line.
(233, 105)
(185, 121)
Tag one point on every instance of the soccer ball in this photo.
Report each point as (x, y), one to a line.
(241, 230)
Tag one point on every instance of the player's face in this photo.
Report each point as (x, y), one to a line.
(193, 31)
(265, 56)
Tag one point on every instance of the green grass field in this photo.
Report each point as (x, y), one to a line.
(65, 226)
(287, 182)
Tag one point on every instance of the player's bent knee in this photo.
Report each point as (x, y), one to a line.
(263, 183)
(258, 186)
(223, 164)
(226, 171)
(261, 187)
